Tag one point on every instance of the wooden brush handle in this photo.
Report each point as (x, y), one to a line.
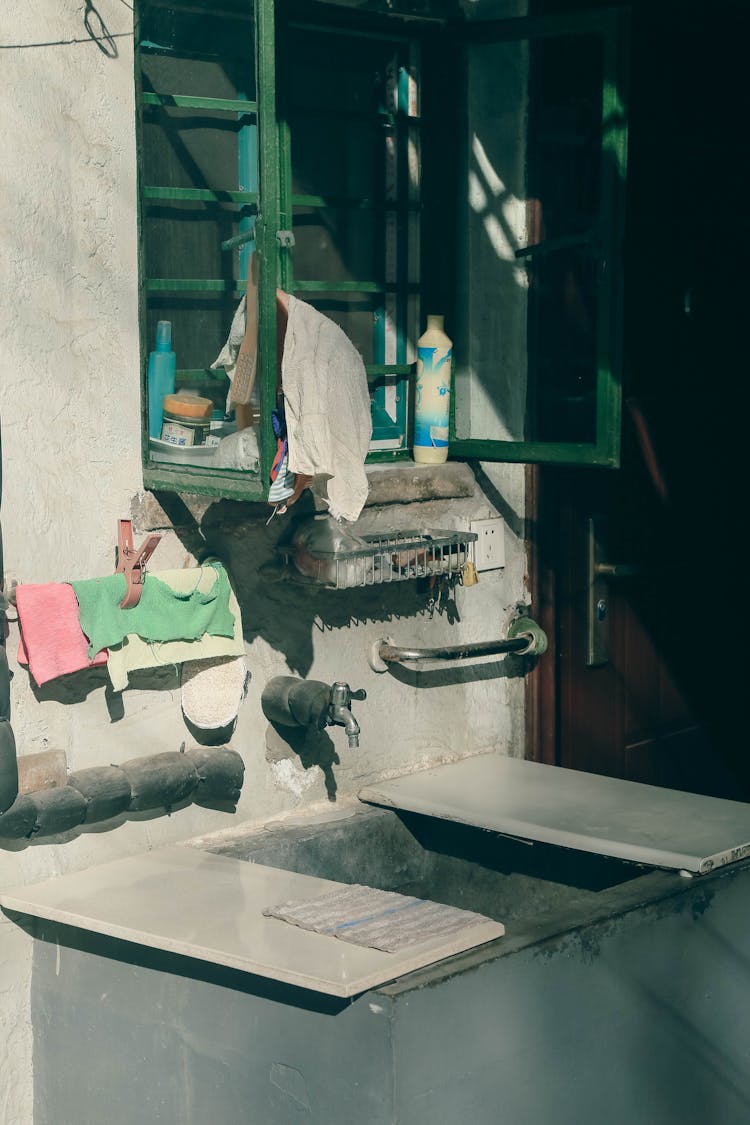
(247, 357)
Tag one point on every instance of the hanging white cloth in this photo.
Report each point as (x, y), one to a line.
(327, 405)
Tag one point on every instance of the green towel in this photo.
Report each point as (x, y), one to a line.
(162, 614)
(135, 654)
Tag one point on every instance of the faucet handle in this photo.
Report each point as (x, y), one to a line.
(342, 693)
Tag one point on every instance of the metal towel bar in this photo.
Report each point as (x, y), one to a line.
(525, 637)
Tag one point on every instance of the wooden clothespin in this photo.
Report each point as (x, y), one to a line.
(132, 563)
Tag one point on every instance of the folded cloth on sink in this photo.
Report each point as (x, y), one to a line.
(135, 654)
(174, 605)
(376, 919)
(52, 643)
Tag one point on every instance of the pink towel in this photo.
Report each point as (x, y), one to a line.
(52, 641)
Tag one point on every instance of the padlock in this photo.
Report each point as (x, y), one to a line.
(469, 575)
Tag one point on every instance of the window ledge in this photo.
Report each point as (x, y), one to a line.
(161, 506)
(406, 482)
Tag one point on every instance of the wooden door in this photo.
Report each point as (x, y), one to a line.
(667, 705)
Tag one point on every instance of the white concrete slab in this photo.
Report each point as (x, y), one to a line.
(211, 907)
(624, 819)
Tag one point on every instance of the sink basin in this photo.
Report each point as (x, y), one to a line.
(616, 994)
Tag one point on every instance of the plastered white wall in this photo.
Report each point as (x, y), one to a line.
(70, 417)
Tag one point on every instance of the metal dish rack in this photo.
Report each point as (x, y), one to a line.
(395, 557)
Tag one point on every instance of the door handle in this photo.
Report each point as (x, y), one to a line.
(599, 572)
(617, 570)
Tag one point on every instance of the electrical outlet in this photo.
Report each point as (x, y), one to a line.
(489, 548)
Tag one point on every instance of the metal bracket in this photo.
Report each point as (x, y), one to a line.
(285, 238)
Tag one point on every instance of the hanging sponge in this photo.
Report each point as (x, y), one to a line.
(212, 691)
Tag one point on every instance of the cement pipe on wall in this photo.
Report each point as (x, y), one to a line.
(103, 792)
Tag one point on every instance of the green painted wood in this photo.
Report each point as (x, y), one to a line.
(204, 194)
(379, 456)
(276, 203)
(141, 252)
(180, 478)
(149, 47)
(192, 285)
(248, 179)
(286, 204)
(267, 225)
(181, 101)
(613, 179)
(605, 451)
(339, 286)
(532, 452)
(405, 60)
(374, 369)
(204, 482)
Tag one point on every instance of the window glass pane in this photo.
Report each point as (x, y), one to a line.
(183, 239)
(336, 156)
(528, 342)
(336, 94)
(353, 312)
(201, 49)
(352, 103)
(191, 148)
(333, 70)
(337, 244)
(192, 157)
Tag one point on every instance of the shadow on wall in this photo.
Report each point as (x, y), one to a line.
(287, 615)
(98, 31)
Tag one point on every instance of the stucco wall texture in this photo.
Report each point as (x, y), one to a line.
(70, 417)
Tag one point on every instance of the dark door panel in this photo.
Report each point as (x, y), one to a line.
(667, 706)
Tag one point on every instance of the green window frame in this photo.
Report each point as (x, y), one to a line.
(267, 206)
(258, 215)
(611, 26)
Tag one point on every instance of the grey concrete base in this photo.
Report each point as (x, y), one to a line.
(618, 996)
(405, 482)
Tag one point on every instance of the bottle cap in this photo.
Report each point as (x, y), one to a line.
(164, 336)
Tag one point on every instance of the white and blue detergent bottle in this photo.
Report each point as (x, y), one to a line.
(433, 394)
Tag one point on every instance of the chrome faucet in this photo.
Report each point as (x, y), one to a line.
(339, 710)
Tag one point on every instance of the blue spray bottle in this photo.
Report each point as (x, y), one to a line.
(161, 371)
